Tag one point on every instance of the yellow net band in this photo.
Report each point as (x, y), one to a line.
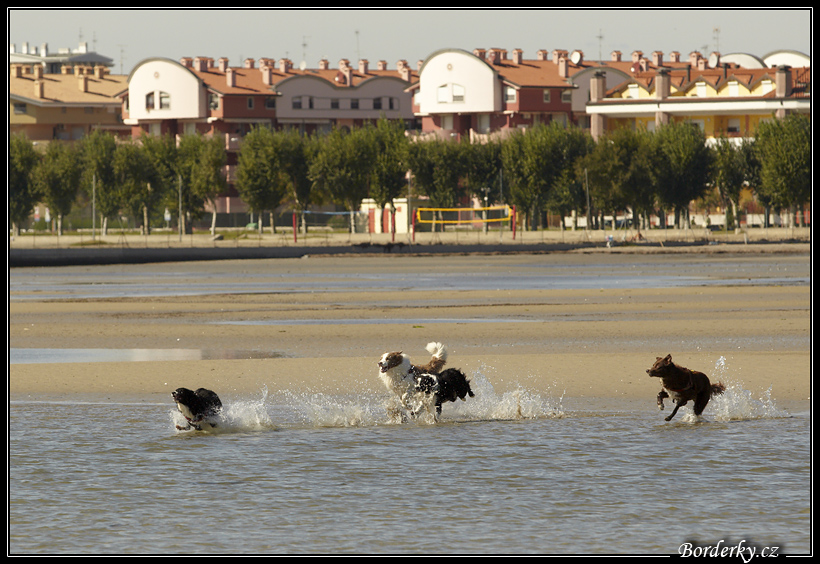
(472, 214)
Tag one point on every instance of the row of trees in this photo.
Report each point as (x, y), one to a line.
(547, 167)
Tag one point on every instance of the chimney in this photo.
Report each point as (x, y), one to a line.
(99, 71)
(267, 75)
(66, 69)
(44, 50)
(563, 70)
(615, 57)
(494, 56)
(363, 65)
(200, 64)
(662, 84)
(480, 53)
(644, 63)
(783, 81)
(284, 65)
(38, 71)
(83, 82)
(694, 57)
(597, 86)
(230, 77)
(518, 56)
(557, 54)
(637, 56)
(249, 63)
(674, 57)
(324, 64)
(381, 65)
(542, 55)
(186, 62)
(16, 71)
(222, 63)
(657, 58)
(701, 64)
(404, 70)
(39, 89)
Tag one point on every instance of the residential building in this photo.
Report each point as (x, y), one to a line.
(52, 62)
(718, 95)
(463, 94)
(66, 105)
(200, 95)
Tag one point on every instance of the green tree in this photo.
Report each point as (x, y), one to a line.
(342, 168)
(532, 165)
(681, 166)
(23, 192)
(57, 177)
(784, 151)
(728, 174)
(260, 181)
(390, 164)
(98, 177)
(438, 166)
(208, 178)
(133, 174)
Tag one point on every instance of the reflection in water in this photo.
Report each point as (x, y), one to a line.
(43, 356)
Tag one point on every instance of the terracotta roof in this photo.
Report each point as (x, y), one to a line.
(251, 80)
(65, 89)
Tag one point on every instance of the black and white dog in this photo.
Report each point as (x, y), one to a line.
(423, 386)
(398, 374)
(201, 408)
(450, 385)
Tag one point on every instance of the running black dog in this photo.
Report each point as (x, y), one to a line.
(202, 407)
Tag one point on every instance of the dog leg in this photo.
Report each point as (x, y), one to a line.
(677, 407)
(661, 397)
(701, 401)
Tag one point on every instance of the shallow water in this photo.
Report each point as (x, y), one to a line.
(512, 473)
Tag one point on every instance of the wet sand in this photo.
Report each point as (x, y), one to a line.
(578, 343)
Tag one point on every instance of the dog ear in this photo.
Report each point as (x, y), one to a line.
(668, 359)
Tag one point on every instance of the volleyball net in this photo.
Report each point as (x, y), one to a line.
(464, 217)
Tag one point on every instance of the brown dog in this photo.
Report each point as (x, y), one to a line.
(682, 385)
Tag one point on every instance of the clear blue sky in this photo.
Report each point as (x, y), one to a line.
(129, 36)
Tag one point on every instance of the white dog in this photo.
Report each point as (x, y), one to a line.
(400, 376)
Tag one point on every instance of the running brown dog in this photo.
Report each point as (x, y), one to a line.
(681, 385)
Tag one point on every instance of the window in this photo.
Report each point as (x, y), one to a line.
(354, 103)
(377, 103)
(149, 101)
(296, 103)
(334, 103)
(164, 101)
(566, 97)
(270, 102)
(547, 96)
(733, 125)
(213, 101)
(449, 93)
(509, 94)
(250, 102)
(20, 109)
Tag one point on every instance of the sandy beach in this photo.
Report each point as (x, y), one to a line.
(575, 343)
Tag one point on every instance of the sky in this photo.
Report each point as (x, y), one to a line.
(130, 36)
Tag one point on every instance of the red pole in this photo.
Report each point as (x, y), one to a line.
(414, 225)
(513, 222)
(294, 226)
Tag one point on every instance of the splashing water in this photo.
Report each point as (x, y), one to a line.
(237, 416)
(737, 403)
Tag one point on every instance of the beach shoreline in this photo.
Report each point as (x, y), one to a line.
(587, 344)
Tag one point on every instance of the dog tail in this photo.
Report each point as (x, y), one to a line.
(438, 350)
(717, 389)
(439, 357)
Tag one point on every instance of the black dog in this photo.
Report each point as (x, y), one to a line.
(199, 407)
(449, 385)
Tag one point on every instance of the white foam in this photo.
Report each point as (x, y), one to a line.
(736, 402)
